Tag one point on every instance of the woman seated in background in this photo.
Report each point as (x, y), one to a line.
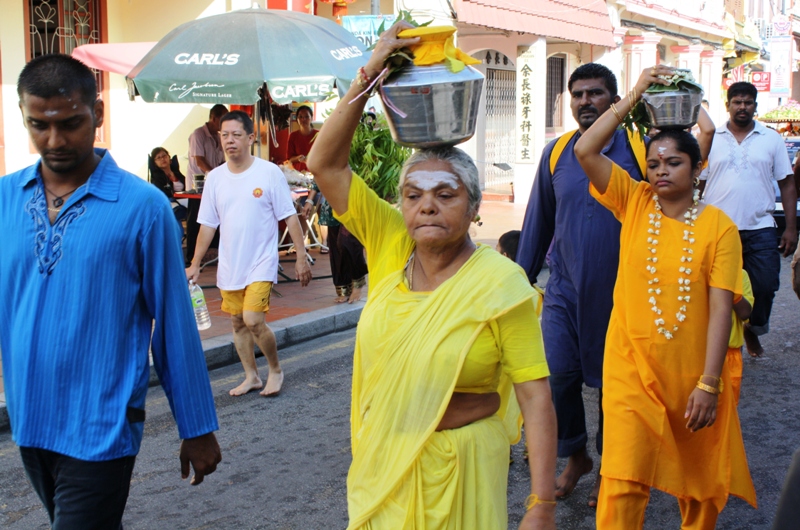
(165, 174)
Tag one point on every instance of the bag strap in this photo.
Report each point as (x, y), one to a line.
(561, 144)
(634, 140)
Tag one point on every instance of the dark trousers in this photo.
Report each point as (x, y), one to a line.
(788, 516)
(762, 261)
(567, 390)
(78, 494)
(347, 256)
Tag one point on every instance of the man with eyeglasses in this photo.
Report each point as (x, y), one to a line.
(246, 198)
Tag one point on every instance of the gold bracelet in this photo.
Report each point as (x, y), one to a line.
(635, 96)
(534, 499)
(616, 112)
(708, 388)
(720, 386)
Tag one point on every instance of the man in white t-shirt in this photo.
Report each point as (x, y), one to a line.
(246, 198)
(745, 159)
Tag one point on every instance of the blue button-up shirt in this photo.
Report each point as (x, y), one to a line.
(79, 298)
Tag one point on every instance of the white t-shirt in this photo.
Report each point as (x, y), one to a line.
(247, 207)
(739, 176)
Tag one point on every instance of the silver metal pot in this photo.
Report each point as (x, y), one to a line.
(673, 110)
(441, 107)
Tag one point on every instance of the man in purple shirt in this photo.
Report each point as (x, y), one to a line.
(582, 238)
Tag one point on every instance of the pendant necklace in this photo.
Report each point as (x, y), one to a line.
(59, 200)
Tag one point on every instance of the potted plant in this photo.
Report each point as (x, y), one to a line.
(376, 158)
(675, 106)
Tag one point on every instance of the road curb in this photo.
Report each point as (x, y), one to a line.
(219, 351)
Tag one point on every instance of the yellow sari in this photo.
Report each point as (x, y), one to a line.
(408, 360)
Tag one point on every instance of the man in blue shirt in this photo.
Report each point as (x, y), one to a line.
(582, 238)
(91, 259)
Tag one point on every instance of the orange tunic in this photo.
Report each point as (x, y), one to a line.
(647, 379)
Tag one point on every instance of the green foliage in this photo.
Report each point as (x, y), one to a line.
(402, 15)
(376, 158)
(637, 120)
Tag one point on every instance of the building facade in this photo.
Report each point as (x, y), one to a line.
(527, 51)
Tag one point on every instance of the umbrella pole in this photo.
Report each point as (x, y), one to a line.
(258, 127)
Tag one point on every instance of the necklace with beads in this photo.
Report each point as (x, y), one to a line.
(684, 270)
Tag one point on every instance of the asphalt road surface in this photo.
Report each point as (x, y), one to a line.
(285, 460)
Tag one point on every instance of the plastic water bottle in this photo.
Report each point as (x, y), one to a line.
(200, 308)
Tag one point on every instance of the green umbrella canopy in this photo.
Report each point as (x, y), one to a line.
(227, 58)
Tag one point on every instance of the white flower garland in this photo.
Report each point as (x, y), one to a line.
(683, 283)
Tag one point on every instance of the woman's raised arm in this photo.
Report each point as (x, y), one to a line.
(328, 159)
(706, 135)
(589, 147)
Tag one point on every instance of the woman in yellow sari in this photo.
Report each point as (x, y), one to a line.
(670, 418)
(448, 331)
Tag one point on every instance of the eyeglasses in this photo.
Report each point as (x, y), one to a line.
(161, 155)
(236, 135)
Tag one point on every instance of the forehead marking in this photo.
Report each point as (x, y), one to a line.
(427, 180)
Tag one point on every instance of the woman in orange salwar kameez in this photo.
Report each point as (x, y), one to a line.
(670, 422)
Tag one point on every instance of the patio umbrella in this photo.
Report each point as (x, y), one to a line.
(227, 58)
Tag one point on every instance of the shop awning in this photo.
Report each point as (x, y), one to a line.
(118, 57)
(584, 21)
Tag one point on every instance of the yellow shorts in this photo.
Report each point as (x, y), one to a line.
(254, 297)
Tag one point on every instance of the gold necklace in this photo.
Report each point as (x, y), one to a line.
(411, 272)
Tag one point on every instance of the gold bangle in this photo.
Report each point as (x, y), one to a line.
(635, 96)
(708, 388)
(534, 499)
(616, 112)
(720, 386)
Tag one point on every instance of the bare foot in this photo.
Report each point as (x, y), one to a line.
(595, 491)
(578, 465)
(752, 343)
(274, 384)
(246, 386)
(355, 295)
(340, 299)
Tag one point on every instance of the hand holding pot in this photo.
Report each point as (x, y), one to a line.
(650, 76)
(387, 44)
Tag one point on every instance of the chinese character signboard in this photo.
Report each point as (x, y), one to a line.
(525, 103)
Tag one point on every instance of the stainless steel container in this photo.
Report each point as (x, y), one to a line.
(673, 110)
(441, 107)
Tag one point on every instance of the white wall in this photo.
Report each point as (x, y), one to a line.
(12, 45)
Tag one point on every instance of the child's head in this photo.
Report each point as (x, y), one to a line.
(508, 243)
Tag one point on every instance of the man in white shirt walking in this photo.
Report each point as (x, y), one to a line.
(745, 159)
(246, 198)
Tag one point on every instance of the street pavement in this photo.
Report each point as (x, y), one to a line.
(285, 460)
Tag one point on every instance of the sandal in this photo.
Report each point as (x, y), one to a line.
(342, 294)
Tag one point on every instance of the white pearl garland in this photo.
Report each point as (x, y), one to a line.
(683, 283)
